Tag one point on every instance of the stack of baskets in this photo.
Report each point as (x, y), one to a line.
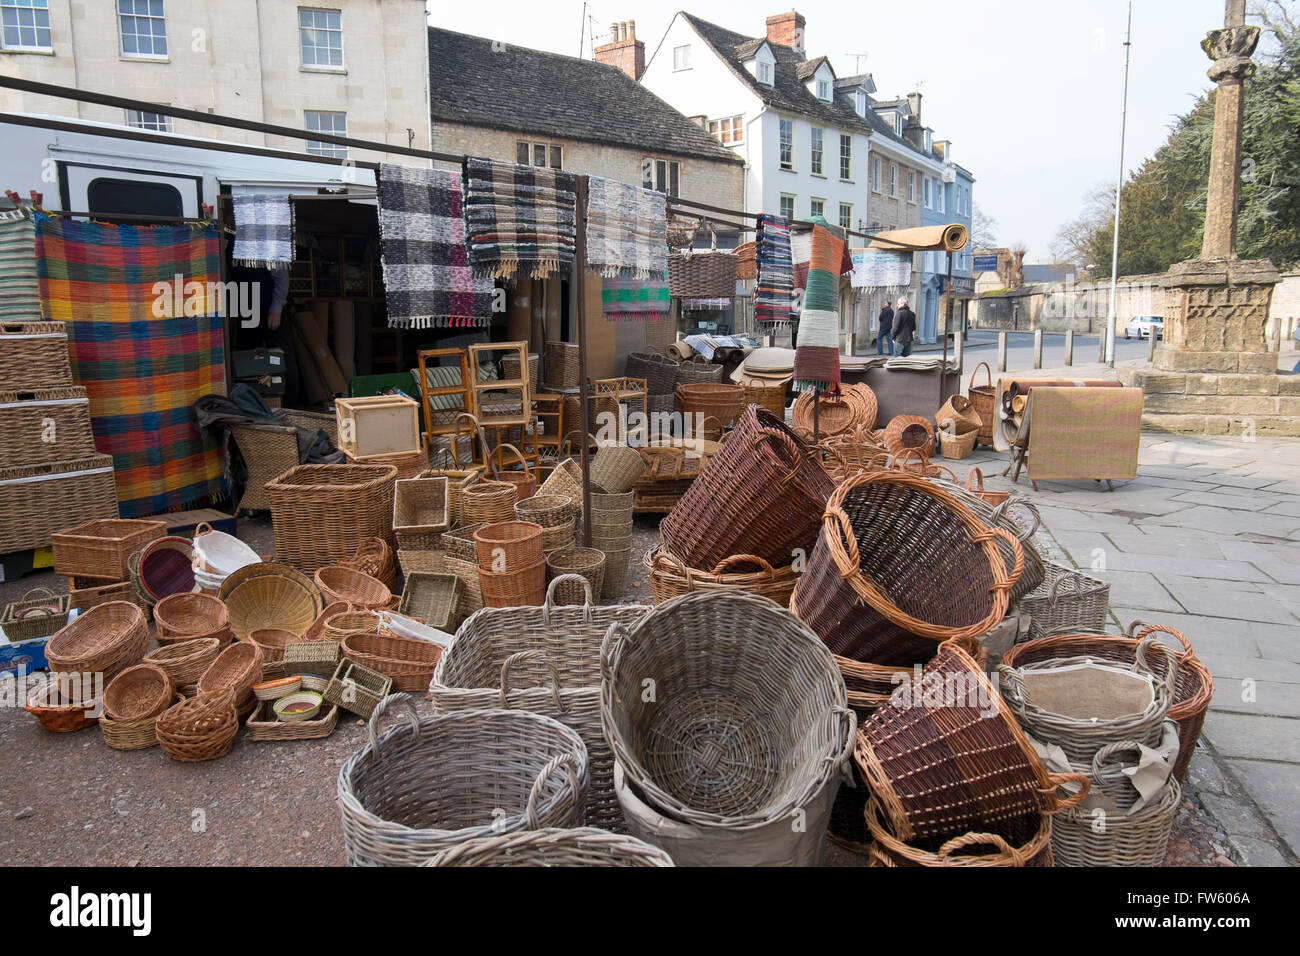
(611, 532)
(660, 374)
(185, 661)
(218, 555)
(747, 728)
(132, 703)
(421, 513)
(95, 558)
(959, 427)
(102, 642)
(184, 617)
(554, 513)
(511, 563)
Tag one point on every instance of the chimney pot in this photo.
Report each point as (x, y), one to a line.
(787, 29)
(623, 50)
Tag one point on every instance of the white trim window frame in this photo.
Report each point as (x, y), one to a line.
(786, 205)
(320, 37)
(334, 122)
(816, 150)
(785, 143)
(25, 26)
(846, 215)
(141, 30)
(893, 180)
(763, 71)
(143, 119)
(682, 58)
(875, 174)
(846, 157)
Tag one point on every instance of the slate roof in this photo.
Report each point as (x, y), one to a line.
(540, 93)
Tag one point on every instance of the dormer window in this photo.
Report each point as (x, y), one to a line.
(764, 72)
(824, 91)
(861, 103)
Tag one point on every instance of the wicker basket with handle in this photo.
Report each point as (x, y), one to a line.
(982, 399)
(1066, 600)
(1026, 841)
(702, 275)
(711, 400)
(430, 784)
(554, 846)
(658, 370)
(322, 513)
(100, 548)
(670, 577)
(39, 613)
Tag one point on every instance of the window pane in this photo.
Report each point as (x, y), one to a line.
(539, 154)
(521, 154)
(557, 157)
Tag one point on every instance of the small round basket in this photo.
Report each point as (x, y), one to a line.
(181, 617)
(272, 641)
(339, 583)
(138, 692)
(910, 432)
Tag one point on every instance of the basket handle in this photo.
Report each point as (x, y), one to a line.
(780, 441)
(549, 603)
(615, 634)
(38, 592)
(1007, 580)
(497, 453)
(841, 540)
(1152, 642)
(1113, 750)
(1057, 780)
(405, 700)
(529, 656)
(975, 483)
(987, 371)
(982, 839)
(1019, 501)
(847, 719)
(1076, 582)
(1140, 629)
(726, 563)
(570, 764)
(952, 475)
(198, 529)
(1012, 685)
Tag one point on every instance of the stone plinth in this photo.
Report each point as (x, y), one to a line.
(1216, 307)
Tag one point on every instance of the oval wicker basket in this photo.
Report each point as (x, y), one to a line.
(338, 583)
(199, 728)
(106, 639)
(710, 400)
(234, 672)
(185, 661)
(407, 661)
(375, 558)
(341, 624)
(270, 595)
(272, 641)
(670, 577)
(549, 511)
(429, 785)
(554, 846)
(1029, 845)
(144, 690)
(182, 617)
(132, 734)
(58, 714)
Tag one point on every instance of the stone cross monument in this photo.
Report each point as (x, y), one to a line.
(1213, 373)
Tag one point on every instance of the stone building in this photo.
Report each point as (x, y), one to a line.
(349, 67)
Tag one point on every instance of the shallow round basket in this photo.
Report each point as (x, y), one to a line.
(282, 705)
(549, 511)
(272, 641)
(138, 692)
(103, 640)
(430, 784)
(340, 625)
(339, 583)
(167, 567)
(198, 728)
(749, 720)
(58, 714)
(552, 846)
(131, 734)
(185, 661)
(184, 616)
(270, 595)
(275, 689)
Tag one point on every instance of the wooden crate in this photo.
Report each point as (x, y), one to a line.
(378, 425)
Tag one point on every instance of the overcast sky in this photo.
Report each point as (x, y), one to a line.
(1027, 90)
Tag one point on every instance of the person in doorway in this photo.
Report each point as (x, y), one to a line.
(904, 327)
(884, 337)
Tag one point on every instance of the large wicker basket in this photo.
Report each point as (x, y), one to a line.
(1027, 842)
(1066, 600)
(692, 373)
(708, 400)
(763, 472)
(428, 785)
(269, 595)
(100, 548)
(658, 370)
(702, 275)
(108, 638)
(1006, 515)
(322, 513)
(982, 399)
(670, 578)
(902, 565)
(552, 846)
(409, 662)
(941, 768)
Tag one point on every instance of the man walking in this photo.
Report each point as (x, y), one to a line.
(884, 340)
(904, 327)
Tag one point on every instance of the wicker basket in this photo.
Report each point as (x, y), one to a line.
(430, 784)
(338, 583)
(182, 617)
(138, 734)
(909, 433)
(548, 511)
(1091, 836)
(566, 564)
(708, 400)
(141, 691)
(975, 485)
(420, 513)
(1028, 842)
(521, 588)
(698, 373)
(658, 370)
(39, 613)
(902, 565)
(34, 354)
(763, 472)
(616, 468)
(200, 728)
(312, 657)
(322, 513)
(357, 688)
(957, 445)
(270, 595)
(105, 640)
(771, 397)
(264, 726)
(564, 482)
(433, 598)
(748, 721)
(185, 661)
(233, 674)
(485, 502)
(407, 661)
(375, 557)
(670, 578)
(26, 417)
(545, 660)
(852, 412)
(59, 713)
(81, 486)
(340, 624)
(100, 548)
(982, 400)
(508, 546)
(163, 567)
(523, 480)
(746, 260)
(553, 846)
(1023, 531)
(272, 642)
(941, 769)
(1082, 703)
(562, 369)
(1066, 600)
(458, 479)
(702, 275)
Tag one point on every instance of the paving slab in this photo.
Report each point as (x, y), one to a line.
(1187, 565)
(1263, 698)
(1252, 736)
(1236, 667)
(1276, 788)
(1228, 522)
(1244, 600)
(1222, 499)
(1138, 589)
(1165, 541)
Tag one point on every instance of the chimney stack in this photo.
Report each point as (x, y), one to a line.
(914, 104)
(787, 29)
(623, 50)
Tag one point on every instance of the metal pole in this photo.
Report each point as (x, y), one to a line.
(579, 279)
(947, 322)
(1119, 187)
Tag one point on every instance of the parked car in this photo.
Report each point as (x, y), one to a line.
(1145, 326)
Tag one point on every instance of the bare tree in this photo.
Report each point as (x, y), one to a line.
(1073, 242)
(984, 229)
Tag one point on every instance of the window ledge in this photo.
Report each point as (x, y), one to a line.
(142, 58)
(818, 175)
(335, 70)
(787, 169)
(33, 50)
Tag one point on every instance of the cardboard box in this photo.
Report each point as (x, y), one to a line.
(26, 656)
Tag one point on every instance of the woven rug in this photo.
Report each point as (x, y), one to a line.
(774, 288)
(817, 355)
(520, 220)
(624, 300)
(626, 226)
(263, 230)
(19, 298)
(144, 350)
(427, 278)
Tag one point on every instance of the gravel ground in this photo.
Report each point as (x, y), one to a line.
(68, 800)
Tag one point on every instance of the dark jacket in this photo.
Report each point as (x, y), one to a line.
(904, 325)
(886, 320)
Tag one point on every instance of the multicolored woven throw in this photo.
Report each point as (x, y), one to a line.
(625, 300)
(626, 229)
(774, 289)
(145, 341)
(817, 353)
(427, 277)
(519, 220)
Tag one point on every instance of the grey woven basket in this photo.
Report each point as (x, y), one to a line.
(1067, 600)
(427, 785)
(585, 846)
(542, 659)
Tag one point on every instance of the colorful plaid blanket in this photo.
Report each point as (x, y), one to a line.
(263, 230)
(427, 278)
(626, 230)
(145, 341)
(774, 289)
(519, 220)
(817, 353)
(633, 299)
